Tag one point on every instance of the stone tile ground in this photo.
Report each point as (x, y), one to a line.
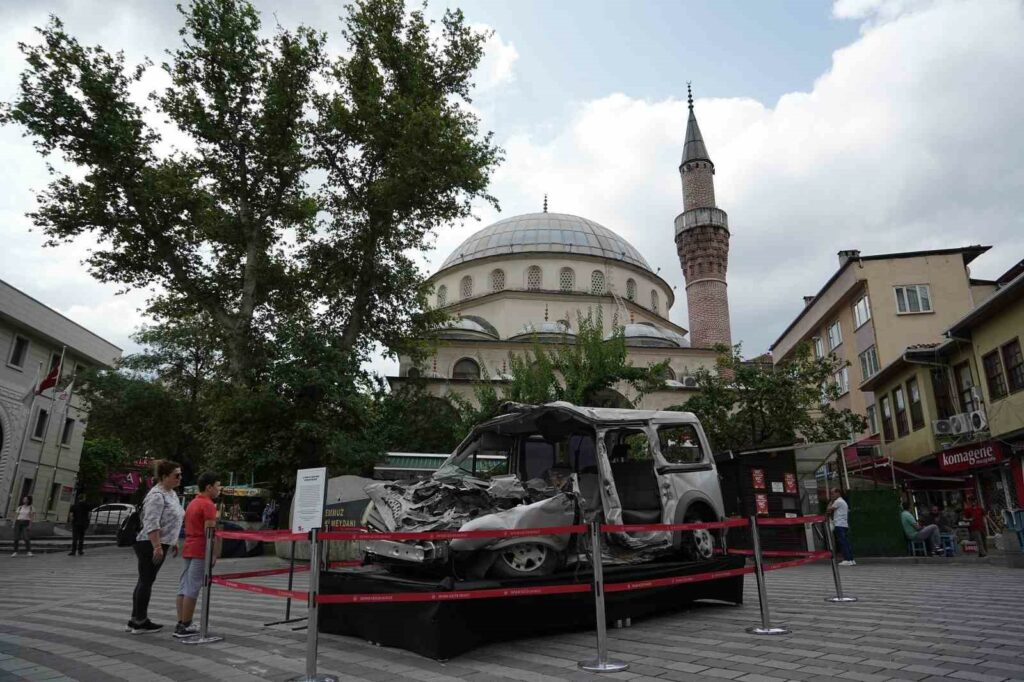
(61, 618)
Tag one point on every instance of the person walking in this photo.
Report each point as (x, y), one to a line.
(840, 512)
(79, 523)
(200, 515)
(161, 522)
(976, 515)
(23, 525)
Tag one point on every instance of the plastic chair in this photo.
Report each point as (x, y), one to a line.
(915, 546)
(949, 543)
(1014, 520)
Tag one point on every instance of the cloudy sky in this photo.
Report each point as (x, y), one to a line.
(879, 125)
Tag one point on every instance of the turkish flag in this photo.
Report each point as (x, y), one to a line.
(49, 380)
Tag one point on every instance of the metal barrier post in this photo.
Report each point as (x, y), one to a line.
(288, 602)
(602, 664)
(839, 598)
(204, 620)
(762, 593)
(313, 631)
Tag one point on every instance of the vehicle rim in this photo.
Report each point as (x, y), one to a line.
(525, 558)
(704, 543)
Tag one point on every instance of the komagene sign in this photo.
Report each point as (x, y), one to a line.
(971, 456)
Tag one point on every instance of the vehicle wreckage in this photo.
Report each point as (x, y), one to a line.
(548, 466)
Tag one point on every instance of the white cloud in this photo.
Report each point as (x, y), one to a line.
(498, 64)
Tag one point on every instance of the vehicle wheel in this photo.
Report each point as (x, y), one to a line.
(698, 545)
(526, 559)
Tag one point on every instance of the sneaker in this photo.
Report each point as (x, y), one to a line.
(79, 552)
(142, 628)
(846, 563)
(71, 554)
(15, 554)
(31, 554)
(181, 630)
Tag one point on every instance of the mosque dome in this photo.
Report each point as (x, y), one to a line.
(468, 327)
(546, 233)
(651, 336)
(545, 332)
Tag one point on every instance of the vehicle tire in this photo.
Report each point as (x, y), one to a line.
(697, 545)
(524, 560)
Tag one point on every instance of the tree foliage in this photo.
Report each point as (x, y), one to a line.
(744, 405)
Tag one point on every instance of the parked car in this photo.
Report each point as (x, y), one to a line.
(111, 514)
(561, 465)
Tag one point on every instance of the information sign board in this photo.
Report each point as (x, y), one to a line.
(308, 503)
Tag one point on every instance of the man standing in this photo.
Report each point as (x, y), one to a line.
(840, 512)
(200, 515)
(914, 531)
(79, 523)
(976, 515)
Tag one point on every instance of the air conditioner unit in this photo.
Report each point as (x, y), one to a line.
(979, 420)
(942, 427)
(690, 382)
(960, 424)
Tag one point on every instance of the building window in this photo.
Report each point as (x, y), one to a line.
(842, 379)
(466, 287)
(913, 298)
(916, 408)
(19, 351)
(631, 289)
(964, 384)
(68, 431)
(940, 389)
(1014, 361)
(597, 283)
(466, 368)
(669, 374)
(442, 296)
(497, 280)
(54, 496)
(900, 401)
(566, 279)
(872, 418)
(861, 311)
(819, 347)
(994, 375)
(534, 280)
(40, 427)
(886, 412)
(869, 362)
(834, 334)
(654, 300)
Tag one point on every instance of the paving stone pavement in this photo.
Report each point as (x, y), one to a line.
(62, 618)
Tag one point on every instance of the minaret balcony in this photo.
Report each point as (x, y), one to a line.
(698, 217)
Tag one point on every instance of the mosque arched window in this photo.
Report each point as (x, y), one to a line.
(669, 374)
(654, 300)
(534, 278)
(631, 289)
(466, 287)
(466, 368)
(442, 296)
(567, 279)
(497, 280)
(597, 282)
(413, 373)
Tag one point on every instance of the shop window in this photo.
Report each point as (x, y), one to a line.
(1014, 361)
(871, 414)
(913, 298)
(900, 401)
(869, 362)
(566, 279)
(19, 351)
(834, 333)
(886, 413)
(534, 278)
(442, 296)
(597, 283)
(466, 287)
(631, 289)
(861, 311)
(466, 368)
(964, 384)
(680, 444)
(994, 375)
(498, 280)
(916, 408)
(40, 427)
(819, 347)
(940, 389)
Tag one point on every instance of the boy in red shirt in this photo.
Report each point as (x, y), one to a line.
(200, 515)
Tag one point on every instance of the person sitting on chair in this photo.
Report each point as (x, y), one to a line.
(929, 534)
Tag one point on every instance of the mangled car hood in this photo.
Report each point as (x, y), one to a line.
(448, 503)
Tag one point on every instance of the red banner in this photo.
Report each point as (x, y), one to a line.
(757, 476)
(971, 456)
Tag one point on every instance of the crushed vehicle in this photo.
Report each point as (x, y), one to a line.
(555, 465)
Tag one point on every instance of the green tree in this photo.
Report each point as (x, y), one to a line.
(100, 457)
(744, 405)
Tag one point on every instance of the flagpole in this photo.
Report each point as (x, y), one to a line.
(70, 388)
(24, 437)
(46, 429)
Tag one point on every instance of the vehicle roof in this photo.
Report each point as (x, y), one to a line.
(593, 415)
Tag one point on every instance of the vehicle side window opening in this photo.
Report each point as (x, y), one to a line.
(540, 455)
(632, 465)
(680, 444)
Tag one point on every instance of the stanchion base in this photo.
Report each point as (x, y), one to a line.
(841, 600)
(209, 639)
(757, 630)
(603, 667)
(315, 678)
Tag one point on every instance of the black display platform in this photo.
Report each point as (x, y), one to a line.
(442, 630)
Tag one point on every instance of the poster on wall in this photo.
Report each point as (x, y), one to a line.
(761, 500)
(757, 475)
(790, 481)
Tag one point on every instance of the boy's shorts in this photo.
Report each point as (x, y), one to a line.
(192, 577)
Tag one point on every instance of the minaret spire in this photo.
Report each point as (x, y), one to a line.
(693, 147)
(545, 202)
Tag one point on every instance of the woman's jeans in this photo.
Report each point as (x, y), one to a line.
(21, 533)
(843, 539)
(147, 576)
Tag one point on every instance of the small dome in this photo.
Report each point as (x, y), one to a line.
(467, 328)
(545, 332)
(648, 335)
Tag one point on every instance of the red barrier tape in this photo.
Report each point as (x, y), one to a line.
(676, 580)
(451, 596)
(790, 522)
(260, 574)
(774, 552)
(815, 556)
(635, 528)
(345, 564)
(454, 534)
(259, 589)
(262, 535)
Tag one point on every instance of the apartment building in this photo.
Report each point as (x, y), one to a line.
(874, 306)
(953, 410)
(41, 433)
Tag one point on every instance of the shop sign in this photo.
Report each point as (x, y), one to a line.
(971, 456)
(790, 480)
(758, 477)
